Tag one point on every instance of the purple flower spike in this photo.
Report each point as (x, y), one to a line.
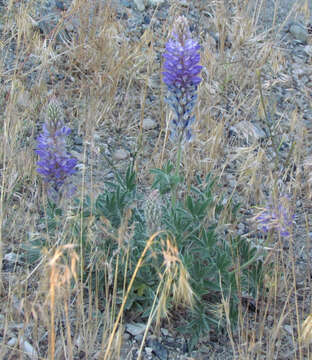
(55, 164)
(278, 217)
(181, 76)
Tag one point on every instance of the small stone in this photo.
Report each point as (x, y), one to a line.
(149, 124)
(288, 329)
(138, 338)
(248, 130)
(299, 32)
(120, 154)
(60, 5)
(11, 257)
(164, 331)
(155, 2)
(140, 4)
(184, 3)
(308, 50)
(158, 349)
(149, 351)
(136, 329)
(23, 99)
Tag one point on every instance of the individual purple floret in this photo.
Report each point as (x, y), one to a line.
(181, 77)
(277, 218)
(55, 164)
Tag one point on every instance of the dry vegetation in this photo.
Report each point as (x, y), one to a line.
(108, 81)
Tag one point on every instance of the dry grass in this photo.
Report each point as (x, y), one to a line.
(105, 78)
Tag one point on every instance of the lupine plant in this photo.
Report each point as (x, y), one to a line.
(56, 165)
(194, 265)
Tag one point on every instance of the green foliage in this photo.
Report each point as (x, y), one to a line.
(214, 263)
(111, 233)
(165, 179)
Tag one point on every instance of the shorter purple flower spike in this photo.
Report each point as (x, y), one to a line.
(277, 218)
(181, 76)
(55, 164)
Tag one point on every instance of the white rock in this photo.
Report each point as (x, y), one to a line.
(308, 50)
(11, 257)
(288, 329)
(120, 154)
(299, 32)
(12, 342)
(140, 4)
(26, 347)
(148, 351)
(23, 99)
(29, 350)
(248, 130)
(155, 2)
(149, 124)
(136, 329)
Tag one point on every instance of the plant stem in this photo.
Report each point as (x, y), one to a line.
(267, 117)
(177, 170)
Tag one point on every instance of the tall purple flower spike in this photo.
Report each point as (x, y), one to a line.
(181, 77)
(55, 164)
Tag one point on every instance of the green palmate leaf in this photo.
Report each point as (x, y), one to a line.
(166, 180)
(33, 250)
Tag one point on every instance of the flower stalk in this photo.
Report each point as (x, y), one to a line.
(181, 77)
(56, 165)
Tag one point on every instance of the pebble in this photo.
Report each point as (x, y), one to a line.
(140, 4)
(11, 257)
(155, 2)
(121, 154)
(308, 50)
(25, 346)
(136, 329)
(159, 350)
(148, 350)
(299, 32)
(23, 99)
(149, 124)
(288, 329)
(248, 130)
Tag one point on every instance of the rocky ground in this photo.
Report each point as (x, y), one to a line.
(279, 21)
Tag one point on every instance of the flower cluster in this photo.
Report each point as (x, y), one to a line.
(181, 77)
(278, 217)
(55, 164)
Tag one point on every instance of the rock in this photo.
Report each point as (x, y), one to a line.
(138, 338)
(299, 32)
(140, 4)
(11, 257)
(120, 154)
(27, 348)
(23, 99)
(149, 124)
(155, 2)
(308, 50)
(247, 130)
(136, 329)
(158, 349)
(288, 329)
(148, 351)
